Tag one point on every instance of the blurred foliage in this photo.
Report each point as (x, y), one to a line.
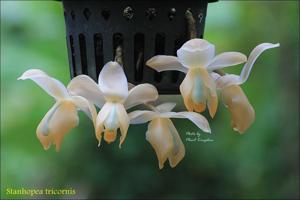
(262, 163)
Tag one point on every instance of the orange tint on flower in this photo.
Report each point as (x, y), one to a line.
(200, 107)
(242, 112)
(205, 90)
(110, 136)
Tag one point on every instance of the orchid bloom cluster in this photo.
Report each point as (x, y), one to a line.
(113, 95)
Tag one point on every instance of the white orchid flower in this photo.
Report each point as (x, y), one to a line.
(62, 117)
(233, 97)
(196, 58)
(162, 133)
(112, 96)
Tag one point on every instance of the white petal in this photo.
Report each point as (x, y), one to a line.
(87, 107)
(212, 97)
(165, 107)
(228, 80)
(111, 122)
(124, 122)
(140, 94)
(56, 123)
(141, 116)
(86, 87)
(52, 86)
(103, 114)
(226, 59)
(252, 58)
(196, 53)
(43, 126)
(166, 63)
(113, 82)
(178, 151)
(196, 118)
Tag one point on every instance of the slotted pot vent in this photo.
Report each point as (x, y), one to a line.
(142, 28)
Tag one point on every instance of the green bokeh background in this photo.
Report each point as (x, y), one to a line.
(262, 163)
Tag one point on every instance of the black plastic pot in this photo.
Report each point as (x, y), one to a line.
(143, 28)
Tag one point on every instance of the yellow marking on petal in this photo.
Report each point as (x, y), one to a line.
(186, 88)
(160, 138)
(199, 89)
(212, 105)
(110, 136)
(57, 124)
(200, 107)
(212, 98)
(188, 103)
